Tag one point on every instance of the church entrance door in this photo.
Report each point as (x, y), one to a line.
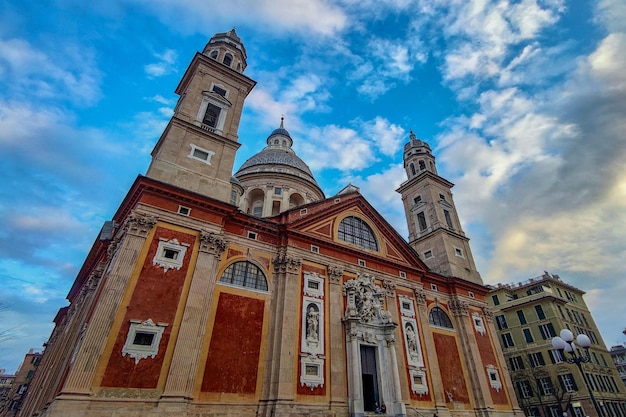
(369, 377)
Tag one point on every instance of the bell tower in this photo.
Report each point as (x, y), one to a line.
(434, 228)
(197, 148)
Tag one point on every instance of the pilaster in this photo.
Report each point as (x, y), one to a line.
(471, 355)
(337, 381)
(136, 229)
(430, 351)
(180, 378)
(282, 383)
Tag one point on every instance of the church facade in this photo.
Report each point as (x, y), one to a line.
(253, 294)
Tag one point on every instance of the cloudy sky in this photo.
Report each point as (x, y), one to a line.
(522, 101)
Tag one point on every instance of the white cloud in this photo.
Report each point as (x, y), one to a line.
(276, 16)
(165, 65)
(338, 148)
(386, 136)
(63, 73)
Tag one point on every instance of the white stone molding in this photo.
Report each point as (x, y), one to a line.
(311, 371)
(312, 339)
(407, 308)
(313, 285)
(418, 381)
(365, 300)
(412, 342)
(494, 377)
(170, 254)
(479, 324)
(139, 334)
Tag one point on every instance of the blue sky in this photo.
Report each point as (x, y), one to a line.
(522, 101)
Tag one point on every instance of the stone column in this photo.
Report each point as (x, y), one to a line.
(285, 327)
(480, 388)
(336, 348)
(182, 371)
(80, 378)
(398, 406)
(430, 353)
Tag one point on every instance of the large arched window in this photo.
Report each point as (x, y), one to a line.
(244, 274)
(354, 230)
(438, 317)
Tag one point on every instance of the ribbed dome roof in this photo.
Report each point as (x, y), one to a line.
(277, 157)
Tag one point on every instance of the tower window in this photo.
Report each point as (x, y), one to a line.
(200, 154)
(417, 199)
(422, 165)
(412, 169)
(219, 90)
(446, 214)
(228, 60)
(356, 231)
(421, 220)
(459, 252)
(211, 115)
(214, 54)
(442, 197)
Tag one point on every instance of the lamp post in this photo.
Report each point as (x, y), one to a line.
(565, 343)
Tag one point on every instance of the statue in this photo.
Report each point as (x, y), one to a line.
(312, 323)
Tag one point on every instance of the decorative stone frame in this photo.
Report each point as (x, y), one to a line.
(418, 381)
(166, 247)
(414, 358)
(137, 351)
(194, 157)
(407, 308)
(494, 377)
(310, 363)
(479, 323)
(217, 100)
(313, 284)
(309, 345)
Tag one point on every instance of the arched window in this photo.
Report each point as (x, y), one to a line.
(214, 54)
(422, 165)
(354, 230)
(438, 317)
(228, 60)
(244, 274)
(412, 169)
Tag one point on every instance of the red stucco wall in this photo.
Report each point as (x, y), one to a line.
(233, 359)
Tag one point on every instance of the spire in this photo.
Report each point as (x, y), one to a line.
(282, 120)
(412, 135)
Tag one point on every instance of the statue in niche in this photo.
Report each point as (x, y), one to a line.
(411, 340)
(312, 323)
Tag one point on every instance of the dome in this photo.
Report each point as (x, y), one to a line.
(276, 179)
(277, 158)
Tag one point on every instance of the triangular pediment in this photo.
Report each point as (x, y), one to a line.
(321, 221)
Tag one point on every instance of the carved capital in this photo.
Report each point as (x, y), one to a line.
(389, 287)
(488, 313)
(391, 340)
(112, 249)
(212, 243)
(283, 262)
(458, 307)
(420, 296)
(138, 224)
(335, 274)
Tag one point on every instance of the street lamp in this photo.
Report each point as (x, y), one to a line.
(565, 343)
